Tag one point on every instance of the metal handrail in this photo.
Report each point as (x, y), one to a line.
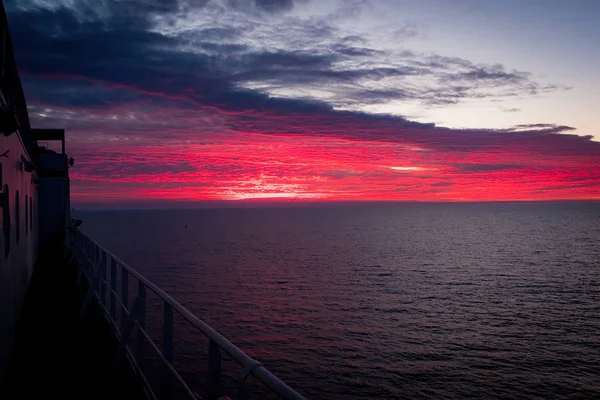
(92, 255)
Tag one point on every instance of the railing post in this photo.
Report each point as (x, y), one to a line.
(95, 258)
(113, 286)
(77, 252)
(88, 255)
(214, 371)
(141, 318)
(168, 332)
(128, 326)
(167, 345)
(90, 293)
(102, 280)
(124, 295)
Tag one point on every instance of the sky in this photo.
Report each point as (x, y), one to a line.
(333, 100)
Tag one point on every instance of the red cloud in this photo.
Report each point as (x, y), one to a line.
(171, 151)
(338, 159)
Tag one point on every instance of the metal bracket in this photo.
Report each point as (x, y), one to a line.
(245, 373)
(249, 369)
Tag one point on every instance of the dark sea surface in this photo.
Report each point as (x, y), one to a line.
(496, 300)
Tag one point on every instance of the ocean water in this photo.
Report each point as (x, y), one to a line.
(486, 300)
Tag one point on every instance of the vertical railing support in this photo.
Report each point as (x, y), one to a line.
(78, 250)
(167, 345)
(128, 326)
(88, 257)
(92, 249)
(168, 332)
(214, 371)
(79, 272)
(102, 281)
(141, 318)
(113, 286)
(124, 295)
(95, 258)
(90, 293)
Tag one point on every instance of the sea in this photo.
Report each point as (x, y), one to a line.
(380, 300)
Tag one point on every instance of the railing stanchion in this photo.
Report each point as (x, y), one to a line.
(96, 251)
(141, 319)
(88, 255)
(102, 281)
(90, 293)
(128, 326)
(167, 345)
(124, 295)
(214, 371)
(113, 286)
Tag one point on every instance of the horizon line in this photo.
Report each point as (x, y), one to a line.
(241, 204)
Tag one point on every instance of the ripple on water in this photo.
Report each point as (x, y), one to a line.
(385, 301)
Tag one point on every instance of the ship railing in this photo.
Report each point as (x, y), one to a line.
(95, 261)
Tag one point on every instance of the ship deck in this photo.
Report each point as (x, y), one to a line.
(59, 354)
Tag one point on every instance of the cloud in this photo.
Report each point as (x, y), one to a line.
(206, 52)
(407, 30)
(542, 126)
(441, 184)
(488, 167)
(223, 99)
(274, 6)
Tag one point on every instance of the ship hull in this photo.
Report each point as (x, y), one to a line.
(19, 242)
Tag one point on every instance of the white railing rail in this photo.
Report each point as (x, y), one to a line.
(93, 262)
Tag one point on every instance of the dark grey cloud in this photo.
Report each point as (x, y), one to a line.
(494, 73)
(274, 5)
(489, 167)
(117, 43)
(590, 184)
(257, 7)
(542, 126)
(129, 169)
(353, 51)
(407, 30)
(76, 93)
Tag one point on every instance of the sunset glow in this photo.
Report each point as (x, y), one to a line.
(169, 102)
